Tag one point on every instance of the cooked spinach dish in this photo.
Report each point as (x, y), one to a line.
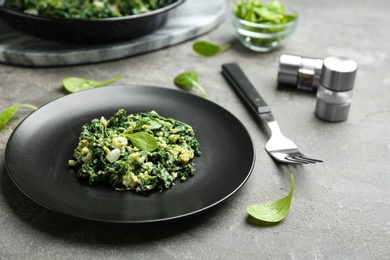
(140, 152)
(80, 9)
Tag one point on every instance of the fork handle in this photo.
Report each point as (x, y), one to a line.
(239, 81)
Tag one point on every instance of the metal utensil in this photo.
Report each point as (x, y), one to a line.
(278, 146)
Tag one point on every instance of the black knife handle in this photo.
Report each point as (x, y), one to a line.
(238, 80)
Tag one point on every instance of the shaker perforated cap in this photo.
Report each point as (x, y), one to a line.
(338, 73)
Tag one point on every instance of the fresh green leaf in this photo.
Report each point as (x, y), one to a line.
(207, 48)
(142, 141)
(9, 112)
(273, 211)
(73, 84)
(276, 6)
(187, 80)
(256, 12)
(6, 115)
(150, 123)
(267, 15)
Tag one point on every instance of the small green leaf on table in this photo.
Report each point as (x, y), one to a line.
(74, 84)
(10, 111)
(187, 80)
(273, 211)
(207, 48)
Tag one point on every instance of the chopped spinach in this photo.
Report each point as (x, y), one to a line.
(80, 9)
(120, 151)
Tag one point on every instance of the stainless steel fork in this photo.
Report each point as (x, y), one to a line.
(278, 146)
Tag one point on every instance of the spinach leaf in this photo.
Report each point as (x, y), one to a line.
(256, 12)
(273, 211)
(142, 141)
(187, 80)
(150, 123)
(207, 48)
(9, 112)
(73, 84)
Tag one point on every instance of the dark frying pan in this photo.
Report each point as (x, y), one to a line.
(103, 30)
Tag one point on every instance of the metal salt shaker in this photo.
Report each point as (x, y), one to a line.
(302, 72)
(334, 94)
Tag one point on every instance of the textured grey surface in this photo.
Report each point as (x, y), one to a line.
(340, 208)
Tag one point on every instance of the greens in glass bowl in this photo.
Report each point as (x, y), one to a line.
(263, 27)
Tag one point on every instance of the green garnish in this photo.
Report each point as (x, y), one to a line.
(81, 9)
(142, 141)
(141, 152)
(207, 48)
(73, 84)
(9, 112)
(256, 12)
(273, 211)
(187, 80)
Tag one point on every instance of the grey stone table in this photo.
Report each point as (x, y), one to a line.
(340, 208)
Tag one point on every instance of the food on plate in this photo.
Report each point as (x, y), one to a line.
(141, 151)
(80, 9)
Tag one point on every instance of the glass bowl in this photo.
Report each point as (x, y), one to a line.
(264, 37)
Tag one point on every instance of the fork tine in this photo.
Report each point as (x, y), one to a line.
(289, 161)
(296, 159)
(281, 157)
(302, 159)
(311, 159)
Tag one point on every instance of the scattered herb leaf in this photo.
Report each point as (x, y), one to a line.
(207, 48)
(187, 80)
(9, 112)
(143, 141)
(273, 211)
(73, 84)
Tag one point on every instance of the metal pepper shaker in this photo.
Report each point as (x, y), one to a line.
(301, 72)
(334, 94)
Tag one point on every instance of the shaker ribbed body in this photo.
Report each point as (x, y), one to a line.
(334, 95)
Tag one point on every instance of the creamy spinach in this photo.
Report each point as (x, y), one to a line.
(140, 152)
(81, 9)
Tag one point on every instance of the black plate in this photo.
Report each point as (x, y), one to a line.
(92, 31)
(38, 150)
